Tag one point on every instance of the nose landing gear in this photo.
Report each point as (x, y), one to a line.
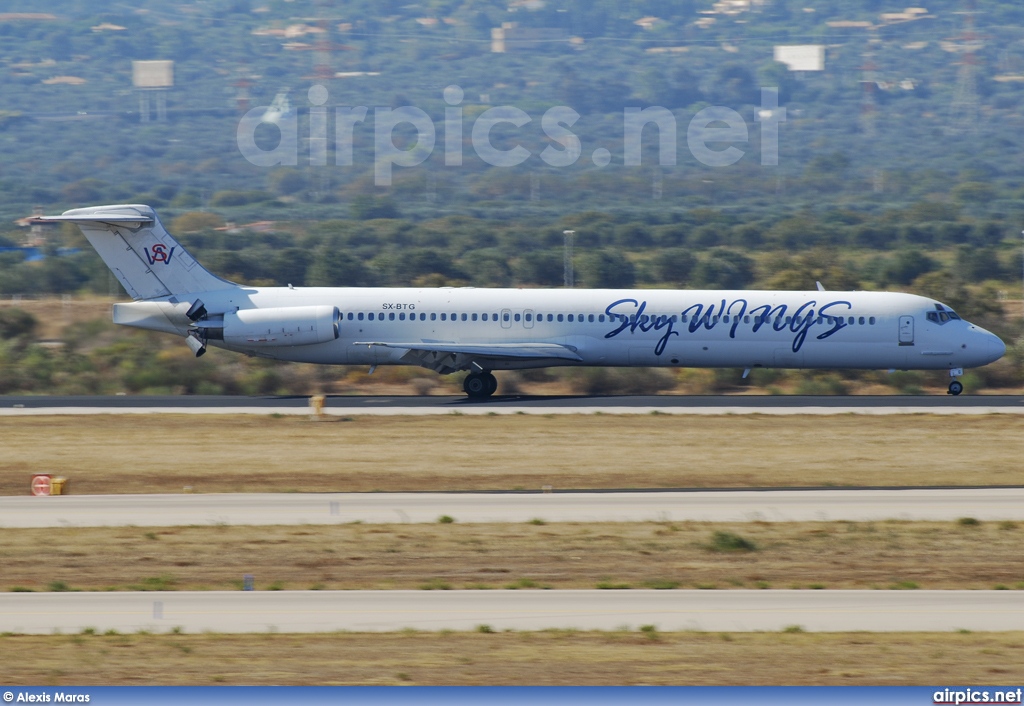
(955, 387)
(480, 386)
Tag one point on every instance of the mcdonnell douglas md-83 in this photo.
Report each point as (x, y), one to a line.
(480, 330)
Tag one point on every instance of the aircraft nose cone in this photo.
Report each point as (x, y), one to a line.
(996, 346)
(988, 346)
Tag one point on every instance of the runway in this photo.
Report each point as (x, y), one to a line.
(985, 504)
(381, 611)
(518, 404)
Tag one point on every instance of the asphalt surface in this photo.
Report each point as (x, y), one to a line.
(510, 404)
(377, 611)
(987, 504)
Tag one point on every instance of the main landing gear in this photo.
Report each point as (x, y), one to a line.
(955, 387)
(480, 386)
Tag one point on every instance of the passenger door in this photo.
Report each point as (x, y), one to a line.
(906, 330)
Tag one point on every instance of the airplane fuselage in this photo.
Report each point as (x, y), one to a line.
(480, 330)
(687, 328)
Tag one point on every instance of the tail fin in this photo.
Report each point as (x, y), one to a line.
(146, 260)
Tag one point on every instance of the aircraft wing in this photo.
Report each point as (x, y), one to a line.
(487, 350)
(448, 357)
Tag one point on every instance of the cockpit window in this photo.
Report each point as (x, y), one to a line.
(941, 315)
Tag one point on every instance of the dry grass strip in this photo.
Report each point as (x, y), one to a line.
(545, 658)
(811, 555)
(117, 454)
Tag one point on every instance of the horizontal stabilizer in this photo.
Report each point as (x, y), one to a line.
(119, 218)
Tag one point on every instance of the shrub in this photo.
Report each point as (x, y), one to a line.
(731, 542)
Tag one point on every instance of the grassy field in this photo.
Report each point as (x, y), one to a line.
(812, 555)
(112, 454)
(550, 657)
(164, 453)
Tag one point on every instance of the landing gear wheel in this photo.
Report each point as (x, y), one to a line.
(956, 387)
(480, 385)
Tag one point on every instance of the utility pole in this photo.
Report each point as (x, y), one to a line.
(569, 274)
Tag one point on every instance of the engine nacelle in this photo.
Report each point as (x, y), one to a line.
(281, 326)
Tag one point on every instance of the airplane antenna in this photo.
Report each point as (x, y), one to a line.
(570, 275)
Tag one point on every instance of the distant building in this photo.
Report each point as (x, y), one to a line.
(152, 79)
(801, 57)
(510, 37)
(849, 24)
(649, 23)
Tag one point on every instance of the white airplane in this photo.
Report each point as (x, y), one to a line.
(449, 329)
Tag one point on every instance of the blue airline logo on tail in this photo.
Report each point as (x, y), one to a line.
(160, 254)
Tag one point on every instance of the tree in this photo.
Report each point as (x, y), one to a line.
(286, 181)
(196, 222)
(333, 267)
(724, 269)
(673, 266)
(735, 86)
(542, 267)
(366, 208)
(606, 268)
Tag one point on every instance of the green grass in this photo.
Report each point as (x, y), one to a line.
(730, 542)
(436, 585)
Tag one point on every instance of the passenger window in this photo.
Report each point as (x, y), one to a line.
(871, 320)
(464, 317)
(433, 316)
(860, 321)
(391, 316)
(505, 317)
(561, 317)
(423, 317)
(350, 316)
(360, 316)
(444, 317)
(600, 317)
(746, 319)
(551, 317)
(725, 318)
(579, 317)
(590, 318)
(570, 318)
(474, 317)
(454, 317)
(494, 317)
(483, 317)
(682, 318)
(516, 317)
(529, 317)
